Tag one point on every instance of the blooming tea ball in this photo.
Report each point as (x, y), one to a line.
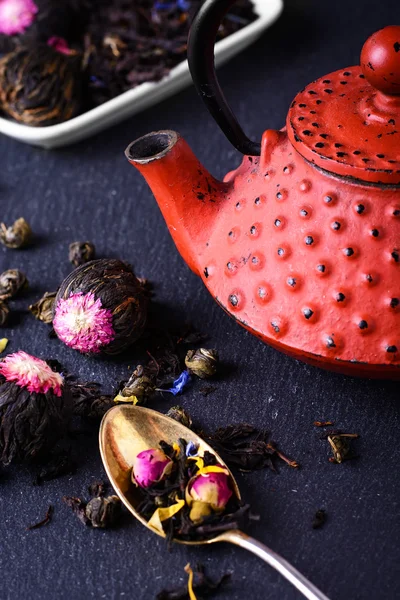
(35, 407)
(100, 307)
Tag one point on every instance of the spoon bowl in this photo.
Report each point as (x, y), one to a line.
(127, 430)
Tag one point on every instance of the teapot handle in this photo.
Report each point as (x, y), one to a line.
(202, 36)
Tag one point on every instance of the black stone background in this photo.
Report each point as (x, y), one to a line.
(89, 191)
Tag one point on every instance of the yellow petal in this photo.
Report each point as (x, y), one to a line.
(120, 398)
(189, 571)
(162, 514)
(176, 448)
(3, 344)
(212, 469)
(202, 470)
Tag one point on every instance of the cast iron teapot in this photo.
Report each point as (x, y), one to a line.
(301, 243)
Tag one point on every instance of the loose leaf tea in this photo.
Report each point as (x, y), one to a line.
(178, 413)
(100, 512)
(128, 43)
(19, 234)
(201, 585)
(12, 282)
(43, 309)
(340, 444)
(67, 56)
(47, 519)
(81, 253)
(247, 447)
(56, 466)
(202, 362)
(323, 423)
(174, 481)
(100, 307)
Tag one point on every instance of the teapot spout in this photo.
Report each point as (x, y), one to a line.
(187, 194)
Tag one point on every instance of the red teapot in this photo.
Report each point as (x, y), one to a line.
(301, 243)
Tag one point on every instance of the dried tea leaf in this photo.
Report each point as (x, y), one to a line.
(81, 252)
(47, 519)
(201, 585)
(58, 465)
(43, 308)
(319, 519)
(12, 282)
(19, 234)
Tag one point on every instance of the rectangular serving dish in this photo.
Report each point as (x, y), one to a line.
(143, 96)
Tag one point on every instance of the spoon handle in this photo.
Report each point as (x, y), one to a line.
(274, 560)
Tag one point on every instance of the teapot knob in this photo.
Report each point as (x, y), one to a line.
(380, 60)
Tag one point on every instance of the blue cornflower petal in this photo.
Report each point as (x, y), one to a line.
(192, 449)
(179, 384)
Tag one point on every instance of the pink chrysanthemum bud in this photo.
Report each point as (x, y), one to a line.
(208, 493)
(16, 15)
(82, 323)
(32, 373)
(151, 466)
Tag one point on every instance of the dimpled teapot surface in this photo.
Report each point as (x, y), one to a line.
(301, 243)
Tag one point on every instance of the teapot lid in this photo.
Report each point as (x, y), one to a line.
(348, 122)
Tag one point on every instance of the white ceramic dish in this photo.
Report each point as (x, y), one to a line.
(142, 96)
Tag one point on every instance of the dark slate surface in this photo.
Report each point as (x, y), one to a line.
(90, 192)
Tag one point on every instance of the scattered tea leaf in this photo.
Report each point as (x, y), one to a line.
(247, 447)
(323, 423)
(45, 521)
(81, 252)
(18, 235)
(201, 585)
(58, 465)
(43, 308)
(319, 519)
(12, 282)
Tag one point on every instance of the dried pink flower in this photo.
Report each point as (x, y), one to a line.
(16, 15)
(208, 493)
(151, 466)
(32, 373)
(60, 44)
(81, 323)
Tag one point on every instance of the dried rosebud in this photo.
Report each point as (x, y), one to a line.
(16, 15)
(151, 466)
(178, 413)
(103, 512)
(81, 252)
(40, 86)
(207, 493)
(12, 282)
(35, 405)
(100, 307)
(202, 362)
(4, 313)
(43, 308)
(19, 234)
(141, 387)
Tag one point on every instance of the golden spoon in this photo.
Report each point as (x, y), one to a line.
(127, 430)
